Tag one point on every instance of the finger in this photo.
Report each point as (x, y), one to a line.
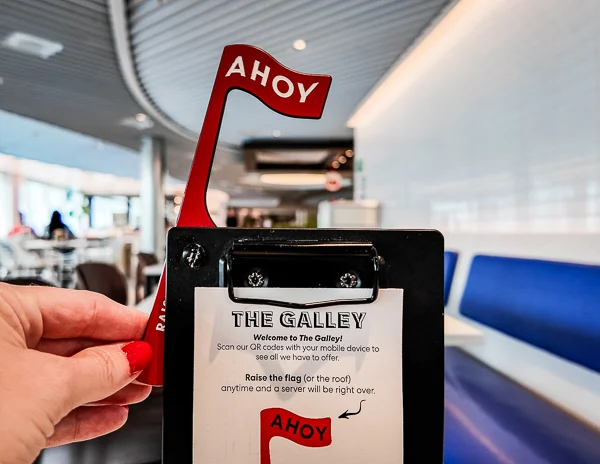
(130, 394)
(99, 372)
(86, 423)
(83, 314)
(66, 346)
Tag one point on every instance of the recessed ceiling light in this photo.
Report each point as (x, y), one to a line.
(299, 44)
(293, 179)
(32, 45)
(260, 202)
(342, 159)
(349, 153)
(291, 156)
(140, 121)
(276, 133)
(335, 165)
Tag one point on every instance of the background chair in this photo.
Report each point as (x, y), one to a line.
(17, 262)
(102, 278)
(67, 261)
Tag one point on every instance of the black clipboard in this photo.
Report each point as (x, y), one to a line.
(384, 259)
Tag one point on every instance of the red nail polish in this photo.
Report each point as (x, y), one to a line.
(138, 354)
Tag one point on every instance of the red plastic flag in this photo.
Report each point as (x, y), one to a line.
(278, 422)
(285, 91)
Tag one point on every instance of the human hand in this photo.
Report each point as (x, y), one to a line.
(60, 379)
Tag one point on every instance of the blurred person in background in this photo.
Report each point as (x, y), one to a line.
(57, 228)
(21, 228)
(232, 219)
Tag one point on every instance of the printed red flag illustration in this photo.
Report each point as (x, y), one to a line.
(285, 91)
(278, 422)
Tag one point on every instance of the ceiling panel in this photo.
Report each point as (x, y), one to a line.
(177, 46)
(80, 88)
(28, 138)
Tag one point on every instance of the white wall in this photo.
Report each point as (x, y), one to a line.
(489, 130)
(495, 125)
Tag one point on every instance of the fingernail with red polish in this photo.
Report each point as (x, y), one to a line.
(138, 354)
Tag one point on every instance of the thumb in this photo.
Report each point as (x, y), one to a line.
(100, 371)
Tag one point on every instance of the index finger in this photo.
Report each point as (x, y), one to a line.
(83, 314)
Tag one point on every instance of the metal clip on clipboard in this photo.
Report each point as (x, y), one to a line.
(302, 265)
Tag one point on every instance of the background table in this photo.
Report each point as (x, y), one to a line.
(152, 274)
(458, 333)
(47, 245)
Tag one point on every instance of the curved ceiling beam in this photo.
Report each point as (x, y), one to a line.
(120, 32)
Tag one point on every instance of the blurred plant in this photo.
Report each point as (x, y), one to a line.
(85, 207)
(311, 222)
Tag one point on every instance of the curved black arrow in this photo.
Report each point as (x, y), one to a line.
(346, 415)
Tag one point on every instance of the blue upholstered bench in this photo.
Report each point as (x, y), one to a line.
(552, 305)
(491, 419)
(450, 259)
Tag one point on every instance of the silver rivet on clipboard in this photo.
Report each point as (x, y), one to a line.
(256, 279)
(349, 280)
(194, 255)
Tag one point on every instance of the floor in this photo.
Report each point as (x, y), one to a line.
(491, 419)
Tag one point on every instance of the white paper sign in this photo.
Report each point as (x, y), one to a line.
(285, 386)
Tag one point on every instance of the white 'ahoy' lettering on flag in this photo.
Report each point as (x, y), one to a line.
(281, 85)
